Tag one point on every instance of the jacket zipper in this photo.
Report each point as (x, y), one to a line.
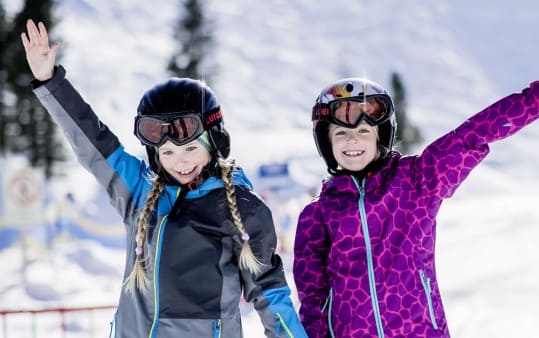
(328, 305)
(217, 328)
(281, 323)
(428, 291)
(161, 230)
(112, 332)
(370, 264)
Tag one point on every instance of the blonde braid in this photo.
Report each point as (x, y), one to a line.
(138, 277)
(247, 258)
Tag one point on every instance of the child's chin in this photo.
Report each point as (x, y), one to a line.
(355, 167)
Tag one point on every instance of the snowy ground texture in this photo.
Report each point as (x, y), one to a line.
(273, 57)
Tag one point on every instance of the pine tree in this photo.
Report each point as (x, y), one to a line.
(28, 127)
(407, 135)
(195, 40)
(3, 75)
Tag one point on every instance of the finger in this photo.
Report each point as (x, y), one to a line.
(54, 50)
(44, 37)
(33, 34)
(25, 41)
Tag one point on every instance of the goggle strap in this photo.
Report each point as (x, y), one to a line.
(214, 118)
(320, 112)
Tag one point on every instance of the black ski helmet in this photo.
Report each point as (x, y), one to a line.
(360, 88)
(179, 95)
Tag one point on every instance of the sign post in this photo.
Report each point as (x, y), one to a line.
(23, 197)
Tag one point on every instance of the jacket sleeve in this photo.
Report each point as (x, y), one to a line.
(268, 290)
(97, 149)
(448, 161)
(311, 249)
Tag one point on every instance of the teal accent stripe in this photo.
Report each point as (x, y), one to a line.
(324, 307)
(426, 285)
(157, 261)
(330, 323)
(370, 264)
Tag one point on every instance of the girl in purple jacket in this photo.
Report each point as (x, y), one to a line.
(364, 250)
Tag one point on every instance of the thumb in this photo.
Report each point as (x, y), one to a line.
(54, 50)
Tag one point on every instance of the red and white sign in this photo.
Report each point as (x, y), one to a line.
(23, 196)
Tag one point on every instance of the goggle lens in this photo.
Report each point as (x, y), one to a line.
(350, 112)
(152, 131)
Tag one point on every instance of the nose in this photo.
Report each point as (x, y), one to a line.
(353, 138)
(179, 159)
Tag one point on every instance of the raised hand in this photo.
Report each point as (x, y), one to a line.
(40, 56)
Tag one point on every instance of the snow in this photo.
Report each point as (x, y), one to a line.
(273, 57)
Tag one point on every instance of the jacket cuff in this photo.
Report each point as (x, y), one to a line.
(37, 83)
(43, 88)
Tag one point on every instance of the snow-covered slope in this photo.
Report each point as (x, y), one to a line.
(273, 57)
(455, 57)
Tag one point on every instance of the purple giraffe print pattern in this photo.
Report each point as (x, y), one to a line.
(401, 201)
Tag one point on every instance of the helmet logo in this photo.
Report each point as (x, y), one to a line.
(213, 117)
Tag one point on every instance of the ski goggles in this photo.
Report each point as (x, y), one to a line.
(349, 112)
(180, 128)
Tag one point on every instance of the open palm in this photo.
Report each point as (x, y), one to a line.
(40, 56)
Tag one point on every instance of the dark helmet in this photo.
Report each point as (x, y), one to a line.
(177, 96)
(352, 88)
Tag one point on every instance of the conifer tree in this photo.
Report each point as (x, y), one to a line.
(407, 134)
(28, 127)
(3, 75)
(194, 39)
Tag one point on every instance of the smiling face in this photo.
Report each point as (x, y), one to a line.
(354, 148)
(185, 162)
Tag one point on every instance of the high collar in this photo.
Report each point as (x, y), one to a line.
(374, 174)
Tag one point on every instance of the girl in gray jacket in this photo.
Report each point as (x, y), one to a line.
(197, 234)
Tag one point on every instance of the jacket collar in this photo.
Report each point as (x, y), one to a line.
(343, 183)
(213, 182)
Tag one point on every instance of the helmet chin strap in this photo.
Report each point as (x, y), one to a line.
(204, 174)
(207, 172)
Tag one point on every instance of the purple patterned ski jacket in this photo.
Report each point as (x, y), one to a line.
(364, 249)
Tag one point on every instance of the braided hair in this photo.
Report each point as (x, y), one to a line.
(138, 278)
(247, 259)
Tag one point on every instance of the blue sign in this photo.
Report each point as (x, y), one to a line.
(273, 170)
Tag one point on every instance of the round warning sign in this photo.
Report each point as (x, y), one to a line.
(23, 196)
(24, 188)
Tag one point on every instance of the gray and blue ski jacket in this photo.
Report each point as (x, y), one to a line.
(192, 255)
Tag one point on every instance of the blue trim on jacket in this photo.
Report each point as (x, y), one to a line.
(212, 183)
(281, 306)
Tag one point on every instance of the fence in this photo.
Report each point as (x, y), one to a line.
(29, 323)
